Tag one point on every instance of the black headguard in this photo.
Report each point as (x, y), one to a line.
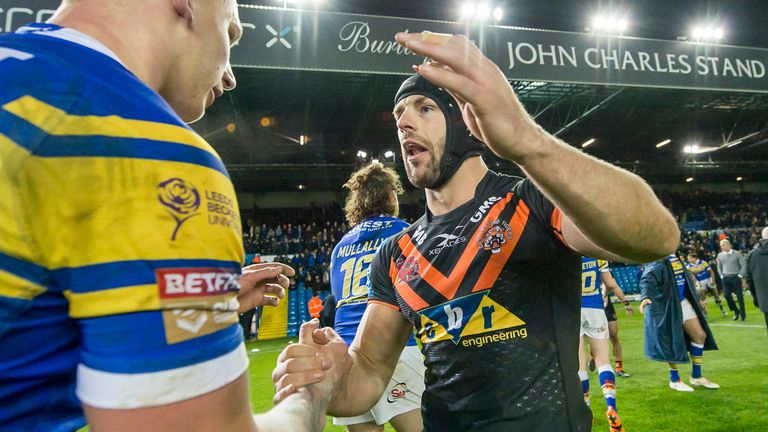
(459, 142)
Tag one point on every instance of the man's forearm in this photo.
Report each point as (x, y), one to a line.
(613, 208)
(361, 389)
(298, 412)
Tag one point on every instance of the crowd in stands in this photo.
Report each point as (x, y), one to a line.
(304, 240)
(708, 217)
(308, 235)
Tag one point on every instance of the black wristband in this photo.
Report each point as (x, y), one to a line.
(626, 302)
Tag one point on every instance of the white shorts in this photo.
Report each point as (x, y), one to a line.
(594, 323)
(688, 312)
(403, 394)
(706, 284)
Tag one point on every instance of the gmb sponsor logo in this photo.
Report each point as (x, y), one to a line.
(398, 391)
(483, 209)
(470, 320)
(182, 201)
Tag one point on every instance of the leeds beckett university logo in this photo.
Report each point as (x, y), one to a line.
(180, 198)
(494, 235)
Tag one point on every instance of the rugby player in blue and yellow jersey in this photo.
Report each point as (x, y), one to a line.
(371, 210)
(497, 309)
(594, 326)
(705, 281)
(120, 238)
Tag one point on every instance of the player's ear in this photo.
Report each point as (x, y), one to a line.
(184, 10)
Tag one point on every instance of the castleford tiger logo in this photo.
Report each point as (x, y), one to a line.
(407, 269)
(494, 235)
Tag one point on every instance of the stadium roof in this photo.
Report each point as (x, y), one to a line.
(341, 113)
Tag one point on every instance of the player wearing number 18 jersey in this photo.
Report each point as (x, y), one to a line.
(370, 208)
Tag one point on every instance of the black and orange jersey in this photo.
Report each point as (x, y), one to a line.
(493, 294)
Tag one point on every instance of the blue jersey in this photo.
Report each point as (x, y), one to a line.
(591, 287)
(700, 269)
(120, 240)
(679, 270)
(350, 264)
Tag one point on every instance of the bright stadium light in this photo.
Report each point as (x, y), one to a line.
(362, 154)
(707, 33)
(739, 178)
(663, 143)
(689, 179)
(606, 24)
(587, 143)
(498, 13)
(467, 11)
(483, 11)
(598, 23)
(389, 154)
(302, 187)
(374, 161)
(687, 149)
(695, 148)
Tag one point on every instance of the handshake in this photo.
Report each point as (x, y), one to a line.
(317, 364)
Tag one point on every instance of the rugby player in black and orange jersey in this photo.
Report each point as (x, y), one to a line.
(489, 276)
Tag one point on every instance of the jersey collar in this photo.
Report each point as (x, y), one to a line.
(69, 35)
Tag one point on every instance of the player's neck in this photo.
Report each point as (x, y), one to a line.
(459, 189)
(109, 26)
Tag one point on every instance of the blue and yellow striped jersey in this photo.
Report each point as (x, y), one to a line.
(350, 267)
(591, 286)
(700, 269)
(120, 240)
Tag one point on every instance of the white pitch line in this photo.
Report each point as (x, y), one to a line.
(737, 325)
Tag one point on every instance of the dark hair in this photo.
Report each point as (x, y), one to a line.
(370, 192)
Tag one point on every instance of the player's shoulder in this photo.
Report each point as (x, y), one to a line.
(29, 67)
(502, 183)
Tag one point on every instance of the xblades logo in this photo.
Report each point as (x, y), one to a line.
(449, 240)
(478, 216)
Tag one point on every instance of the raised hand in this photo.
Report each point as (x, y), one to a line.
(260, 279)
(489, 106)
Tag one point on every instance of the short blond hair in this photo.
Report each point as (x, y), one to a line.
(370, 192)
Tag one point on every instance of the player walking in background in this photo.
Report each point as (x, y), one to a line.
(705, 281)
(674, 324)
(610, 285)
(594, 327)
(371, 210)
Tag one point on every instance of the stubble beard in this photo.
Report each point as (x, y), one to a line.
(429, 175)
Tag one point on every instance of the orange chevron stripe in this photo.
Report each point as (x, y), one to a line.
(449, 286)
(557, 224)
(497, 261)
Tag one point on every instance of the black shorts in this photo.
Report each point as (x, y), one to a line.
(610, 312)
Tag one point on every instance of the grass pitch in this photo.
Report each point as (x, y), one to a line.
(645, 401)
